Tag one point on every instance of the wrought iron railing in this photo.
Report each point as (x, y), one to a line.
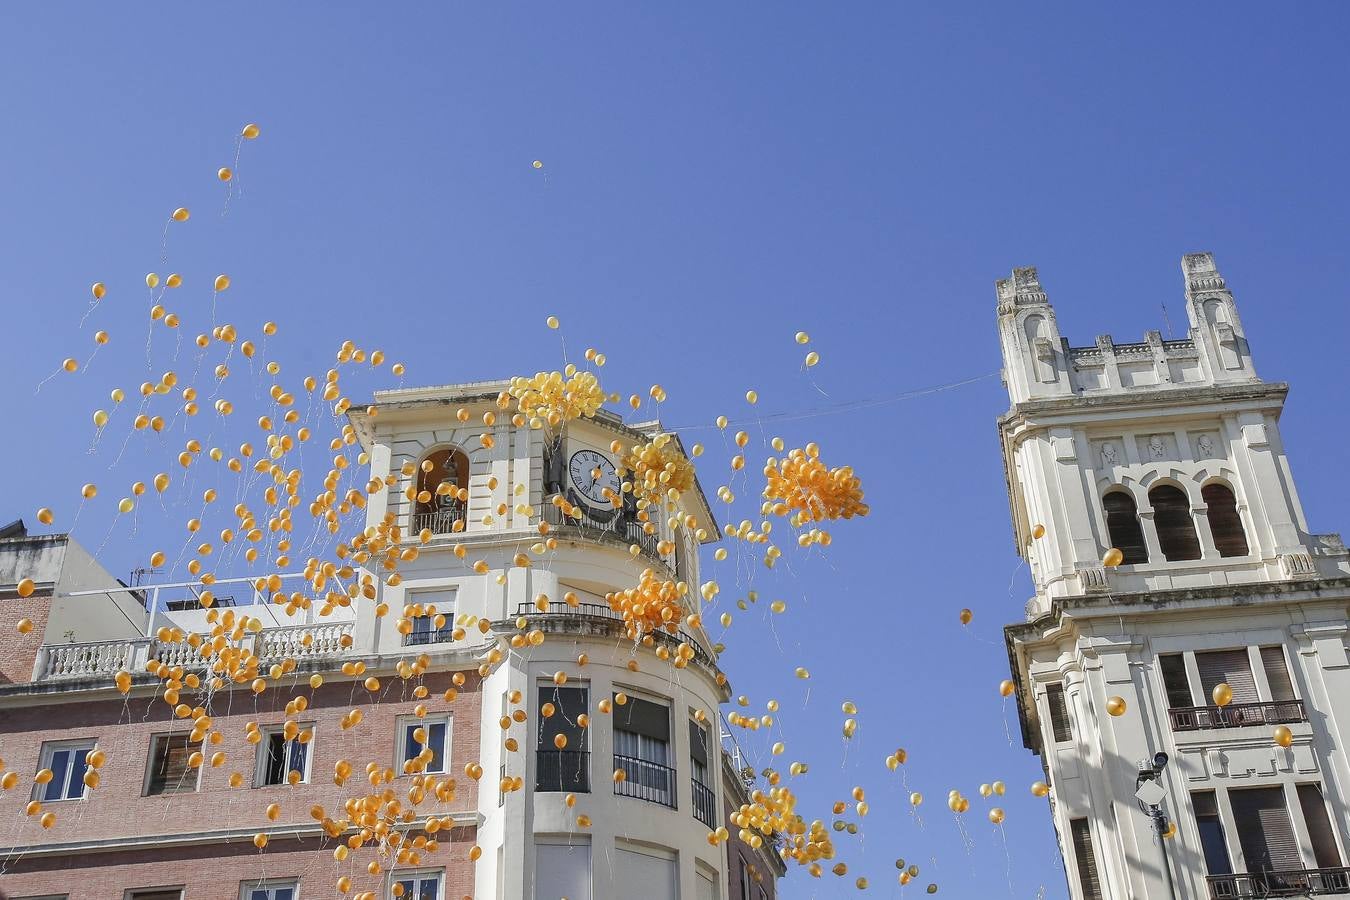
(645, 780)
(621, 526)
(564, 771)
(705, 803)
(1237, 715)
(596, 614)
(440, 521)
(1282, 883)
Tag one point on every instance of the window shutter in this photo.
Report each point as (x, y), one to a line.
(1277, 673)
(1264, 830)
(1086, 859)
(169, 773)
(1059, 713)
(1173, 666)
(1231, 666)
(1122, 527)
(1225, 524)
(643, 717)
(1315, 817)
(1172, 519)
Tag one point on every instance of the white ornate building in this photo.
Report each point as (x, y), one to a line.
(1170, 451)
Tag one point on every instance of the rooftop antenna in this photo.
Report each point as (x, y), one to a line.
(137, 575)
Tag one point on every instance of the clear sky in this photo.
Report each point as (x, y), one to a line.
(716, 177)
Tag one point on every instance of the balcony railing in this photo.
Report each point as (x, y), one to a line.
(564, 771)
(440, 521)
(102, 658)
(1283, 883)
(595, 614)
(620, 526)
(645, 780)
(1237, 715)
(705, 803)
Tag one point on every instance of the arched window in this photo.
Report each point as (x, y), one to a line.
(1224, 522)
(1122, 526)
(1172, 518)
(442, 492)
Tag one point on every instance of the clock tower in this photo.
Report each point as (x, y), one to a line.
(1190, 704)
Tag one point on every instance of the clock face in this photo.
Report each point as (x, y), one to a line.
(591, 473)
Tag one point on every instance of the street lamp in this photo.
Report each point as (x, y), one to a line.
(1149, 792)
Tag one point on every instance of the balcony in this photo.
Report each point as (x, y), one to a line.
(645, 780)
(1237, 715)
(619, 527)
(592, 618)
(447, 520)
(1285, 883)
(564, 771)
(98, 659)
(705, 803)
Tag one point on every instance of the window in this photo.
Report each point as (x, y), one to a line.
(1173, 666)
(1265, 830)
(442, 492)
(1277, 673)
(1232, 667)
(169, 770)
(1225, 524)
(1212, 841)
(283, 760)
(1172, 518)
(705, 801)
(1325, 852)
(642, 750)
(161, 893)
(1083, 854)
(562, 868)
(566, 768)
(416, 885)
(1059, 713)
(650, 867)
(1122, 527)
(424, 744)
(66, 760)
(283, 889)
(707, 884)
(746, 882)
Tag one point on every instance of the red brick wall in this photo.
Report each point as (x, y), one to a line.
(741, 856)
(117, 809)
(20, 650)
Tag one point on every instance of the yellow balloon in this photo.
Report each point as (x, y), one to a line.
(1113, 558)
(25, 587)
(803, 337)
(25, 626)
(118, 395)
(125, 505)
(996, 815)
(1039, 789)
(812, 358)
(538, 164)
(1038, 532)
(99, 290)
(966, 616)
(1283, 736)
(70, 365)
(250, 131)
(1222, 694)
(1115, 706)
(89, 491)
(752, 397)
(174, 280)
(1006, 687)
(100, 418)
(181, 214)
(151, 280)
(552, 321)
(100, 337)
(222, 282)
(225, 173)
(44, 515)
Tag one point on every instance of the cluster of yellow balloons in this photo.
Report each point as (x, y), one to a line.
(661, 473)
(805, 488)
(655, 604)
(555, 398)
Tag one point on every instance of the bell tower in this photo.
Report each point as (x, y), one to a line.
(1153, 500)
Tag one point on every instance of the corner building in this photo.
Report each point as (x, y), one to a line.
(159, 829)
(1169, 451)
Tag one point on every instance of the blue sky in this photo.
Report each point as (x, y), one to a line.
(716, 177)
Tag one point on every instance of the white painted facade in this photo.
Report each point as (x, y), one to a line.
(1137, 420)
(533, 832)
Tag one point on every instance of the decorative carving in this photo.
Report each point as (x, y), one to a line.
(1092, 579)
(1157, 448)
(1297, 565)
(1206, 446)
(1108, 454)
